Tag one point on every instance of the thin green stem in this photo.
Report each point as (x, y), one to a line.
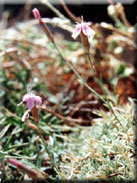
(105, 100)
(108, 103)
(49, 153)
(77, 74)
(50, 6)
(92, 65)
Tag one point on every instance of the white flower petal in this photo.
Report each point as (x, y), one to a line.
(76, 31)
(25, 115)
(87, 30)
(38, 100)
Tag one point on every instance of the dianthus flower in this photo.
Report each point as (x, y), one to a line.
(84, 28)
(31, 99)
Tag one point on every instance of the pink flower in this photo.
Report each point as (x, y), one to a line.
(31, 99)
(84, 28)
(36, 14)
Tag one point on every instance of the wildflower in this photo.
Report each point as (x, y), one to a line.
(31, 99)
(84, 28)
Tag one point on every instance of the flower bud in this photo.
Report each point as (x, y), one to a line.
(36, 14)
(43, 25)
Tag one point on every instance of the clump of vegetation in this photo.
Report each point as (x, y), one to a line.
(68, 106)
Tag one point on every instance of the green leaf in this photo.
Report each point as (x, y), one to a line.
(2, 133)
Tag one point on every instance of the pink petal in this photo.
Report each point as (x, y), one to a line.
(87, 30)
(30, 103)
(76, 31)
(38, 100)
(31, 100)
(25, 97)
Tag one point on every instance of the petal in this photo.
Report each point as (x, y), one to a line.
(25, 97)
(87, 30)
(38, 100)
(25, 115)
(30, 103)
(76, 31)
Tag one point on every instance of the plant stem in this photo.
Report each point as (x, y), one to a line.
(108, 103)
(50, 6)
(91, 63)
(77, 74)
(49, 153)
(106, 100)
